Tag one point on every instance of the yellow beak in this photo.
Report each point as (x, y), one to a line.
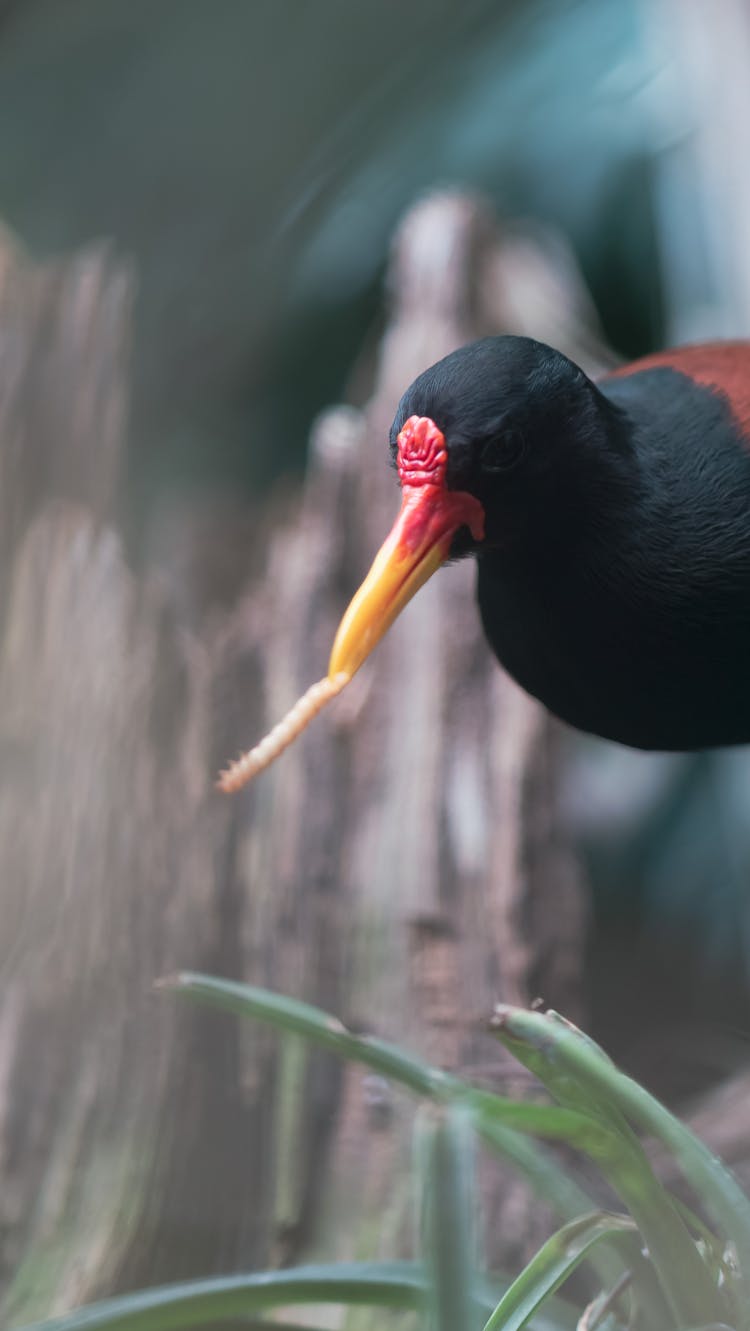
(417, 545)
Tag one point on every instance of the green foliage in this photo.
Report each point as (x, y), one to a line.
(655, 1267)
(446, 1168)
(551, 1266)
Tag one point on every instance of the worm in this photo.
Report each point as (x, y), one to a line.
(248, 765)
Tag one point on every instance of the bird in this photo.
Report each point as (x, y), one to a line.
(610, 525)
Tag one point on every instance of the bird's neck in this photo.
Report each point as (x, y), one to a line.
(595, 497)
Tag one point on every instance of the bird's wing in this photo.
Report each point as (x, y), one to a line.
(723, 367)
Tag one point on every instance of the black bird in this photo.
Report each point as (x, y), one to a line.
(610, 523)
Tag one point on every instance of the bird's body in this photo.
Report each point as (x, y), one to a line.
(637, 627)
(611, 528)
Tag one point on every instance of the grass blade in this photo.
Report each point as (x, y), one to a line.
(716, 1186)
(549, 1180)
(446, 1168)
(571, 1126)
(551, 1266)
(398, 1285)
(315, 1025)
(567, 1198)
(713, 1183)
(578, 1073)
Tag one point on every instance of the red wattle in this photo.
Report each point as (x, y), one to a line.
(422, 456)
(430, 512)
(430, 517)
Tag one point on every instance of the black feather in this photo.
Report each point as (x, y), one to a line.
(614, 582)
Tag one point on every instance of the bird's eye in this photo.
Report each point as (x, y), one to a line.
(503, 452)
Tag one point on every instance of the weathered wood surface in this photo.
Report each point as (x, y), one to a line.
(404, 865)
(105, 872)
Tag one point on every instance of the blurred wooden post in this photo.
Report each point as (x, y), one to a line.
(103, 774)
(403, 865)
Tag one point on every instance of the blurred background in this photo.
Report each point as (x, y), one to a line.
(248, 165)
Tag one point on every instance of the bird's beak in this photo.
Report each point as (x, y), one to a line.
(418, 544)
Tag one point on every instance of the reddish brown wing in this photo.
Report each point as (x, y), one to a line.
(721, 366)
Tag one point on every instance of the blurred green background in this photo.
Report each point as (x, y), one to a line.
(254, 157)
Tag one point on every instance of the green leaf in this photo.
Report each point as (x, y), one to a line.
(569, 1125)
(317, 1026)
(398, 1285)
(549, 1180)
(538, 1165)
(580, 1075)
(580, 1057)
(446, 1168)
(710, 1179)
(554, 1262)
(716, 1186)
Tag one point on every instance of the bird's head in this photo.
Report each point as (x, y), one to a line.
(485, 444)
